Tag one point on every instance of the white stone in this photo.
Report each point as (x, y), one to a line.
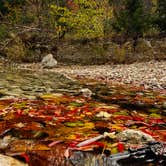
(9, 161)
(86, 92)
(5, 142)
(49, 62)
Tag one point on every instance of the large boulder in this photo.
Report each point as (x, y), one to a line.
(49, 62)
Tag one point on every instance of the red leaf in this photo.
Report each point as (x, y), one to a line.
(100, 144)
(19, 113)
(120, 147)
(156, 121)
(149, 132)
(138, 118)
(73, 144)
(26, 157)
(123, 117)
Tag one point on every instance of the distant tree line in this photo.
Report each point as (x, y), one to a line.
(132, 18)
(135, 17)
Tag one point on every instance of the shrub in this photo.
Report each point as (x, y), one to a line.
(84, 19)
(132, 20)
(161, 15)
(3, 32)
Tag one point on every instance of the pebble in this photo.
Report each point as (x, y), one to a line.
(149, 74)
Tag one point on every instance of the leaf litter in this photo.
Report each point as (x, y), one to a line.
(46, 131)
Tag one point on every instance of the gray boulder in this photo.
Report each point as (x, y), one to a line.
(49, 62)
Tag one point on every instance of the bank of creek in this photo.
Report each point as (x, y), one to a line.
(47, 119)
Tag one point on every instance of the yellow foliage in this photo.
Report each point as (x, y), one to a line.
(86, 22)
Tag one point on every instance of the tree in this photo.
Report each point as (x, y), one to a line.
(161, 15)
(131, 19)
(3, 9)
(81, 18)
(6, 4)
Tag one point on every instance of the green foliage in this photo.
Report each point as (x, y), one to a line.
(3, 8)
(5, 5)
(27, 19)
(60, 16)
(84, 21)
(11, 10)
(3, 32)
(161, 15)
(15, 2)
(132, 20)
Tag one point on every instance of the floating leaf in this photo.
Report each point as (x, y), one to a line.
(74, 124)
(154, 115)
(76, 104)
(114, 150)
(120, 147)
(89, 125)
(153, 110)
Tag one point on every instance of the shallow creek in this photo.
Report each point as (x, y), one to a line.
(46, 120)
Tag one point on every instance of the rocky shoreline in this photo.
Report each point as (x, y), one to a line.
(150, 75)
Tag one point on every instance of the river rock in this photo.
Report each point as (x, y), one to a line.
(9, 161)
(48, 61)
(134, 136)
(164, 105)
(5, 142)
(86, 92)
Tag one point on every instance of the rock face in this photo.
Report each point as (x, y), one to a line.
(48, 61)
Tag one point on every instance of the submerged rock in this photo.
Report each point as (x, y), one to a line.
(30, 84)
(134, 136)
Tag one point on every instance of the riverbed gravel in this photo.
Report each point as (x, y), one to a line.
(148, 74)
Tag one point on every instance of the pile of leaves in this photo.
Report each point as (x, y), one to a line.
(46, 131)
